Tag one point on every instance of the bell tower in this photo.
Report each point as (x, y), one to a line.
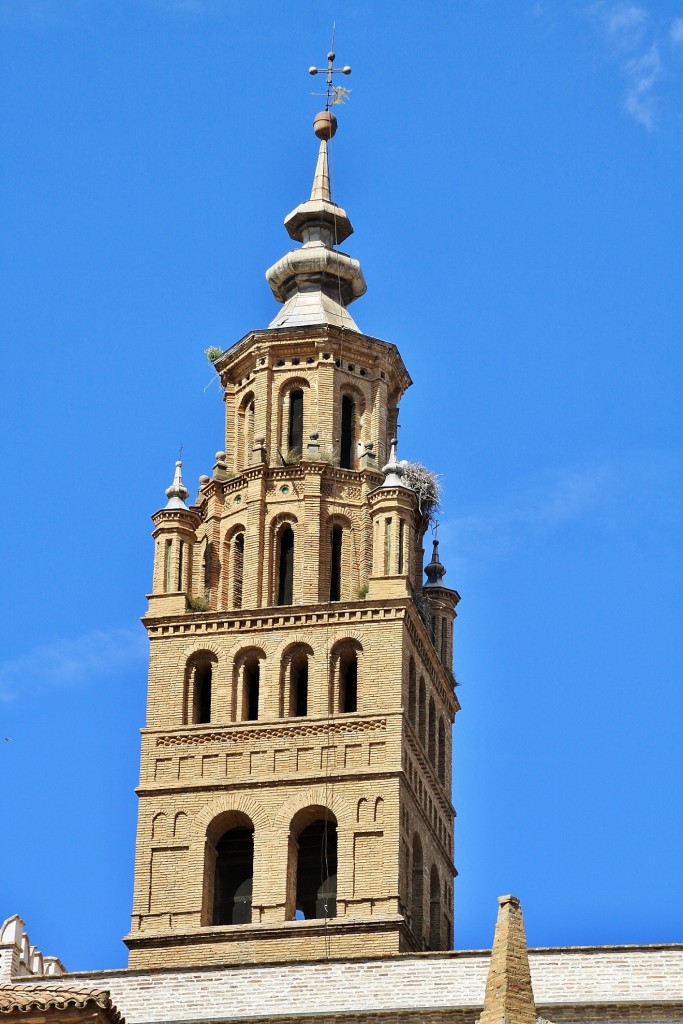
(294, 797)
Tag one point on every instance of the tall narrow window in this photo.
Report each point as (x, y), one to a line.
(401, 541)
(181, 552)
(336, 563)
(348, 416)
(168, 574)
(422, 713)
(444, 641)
(432, 732)
(442, 752)
(285, 583)
(250, 413)
(412, 693)
(434, 909)
(208, 563)
(295, 436)
(237, 570)
(298, 686)
(348, 681)
(234, 877)
(202, 692)
(417, 888)
(316, 875)
(387, 546)
(252, 680)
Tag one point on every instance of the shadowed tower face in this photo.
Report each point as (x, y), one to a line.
(295, 771)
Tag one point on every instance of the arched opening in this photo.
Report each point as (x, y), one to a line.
(207, 564)
(434, 909)
(199, 678)
(444, 641)
(348, 431)
(417, 907)
(431, 746)
(237, 570)
(401, 545)
(315, 848)
(387, 546)
(246, 418)
(412, 693)
(251, 684)
(348, 681)
(285, 566)
(298, 685)
(295, 433)
(250, 418)
(229, 870)
(442, 752)
(422, 713)
(336, 539)
(168, 566)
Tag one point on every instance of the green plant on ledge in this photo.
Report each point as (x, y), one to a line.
(198, 604)
(363, 591)
(213, 353)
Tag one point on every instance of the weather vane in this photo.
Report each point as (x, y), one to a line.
(334, 94)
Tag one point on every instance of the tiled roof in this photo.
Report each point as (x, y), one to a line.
(28, 999)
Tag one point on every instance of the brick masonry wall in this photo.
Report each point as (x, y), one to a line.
(635, 984)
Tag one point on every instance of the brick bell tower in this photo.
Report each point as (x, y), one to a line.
(296, 762)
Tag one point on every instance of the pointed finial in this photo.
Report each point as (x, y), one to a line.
(393, 471)
(177, 492)
(509, 998)
(321, 179)
(435, 570)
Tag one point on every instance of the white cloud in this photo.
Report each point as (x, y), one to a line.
(605, 494)
(633, 42)
(641, 75)
(71, 662)
(676, 32)
(624, 25)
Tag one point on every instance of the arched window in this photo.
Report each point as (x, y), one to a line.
(285, 566)
(207, 559)
(315, 849)
(298, 685)
(248, 681)
(237, 574)
(422, 713)
(181, 563)
(252, 677)
(348, 681)
(412, 693)
(246, 418)
(442, 752)
(387, 546)
(250, 418)
(229, 870)
(168, 566)
(199, 678)
(401, 545)
(295, 433)
(444, 641)
(431, 747)
(434, 909)
(348, 431)
(336, 539)
(417, 907)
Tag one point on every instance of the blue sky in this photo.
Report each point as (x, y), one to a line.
(512, 171)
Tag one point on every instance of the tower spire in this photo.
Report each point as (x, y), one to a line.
(316, 283)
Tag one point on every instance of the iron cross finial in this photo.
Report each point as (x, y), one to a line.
(334, 93)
